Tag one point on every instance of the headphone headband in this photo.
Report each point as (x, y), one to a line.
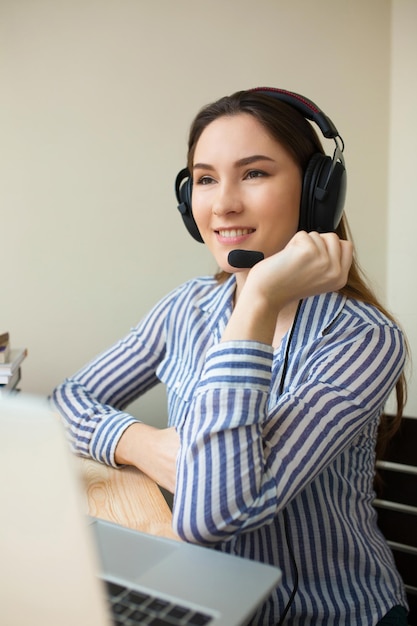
(306, 107)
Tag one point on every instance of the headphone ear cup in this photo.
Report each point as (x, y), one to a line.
(323, 195)
(183, 190)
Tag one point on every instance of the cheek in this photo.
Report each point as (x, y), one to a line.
(284, 208)
(197, 210)
(290, 204)
(201, 214)
(283, 221)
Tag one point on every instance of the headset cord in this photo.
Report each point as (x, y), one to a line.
(285, 512)
(287, 349)
(293, 565)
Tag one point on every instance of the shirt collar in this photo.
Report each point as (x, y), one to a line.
(220, 297)
(218, 304)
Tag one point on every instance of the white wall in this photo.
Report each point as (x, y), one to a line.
(96, 100)
(402, 223)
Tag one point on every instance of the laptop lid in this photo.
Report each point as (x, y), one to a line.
(55, 555)
(48, 564)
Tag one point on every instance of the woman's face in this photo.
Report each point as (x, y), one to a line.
(246, 189)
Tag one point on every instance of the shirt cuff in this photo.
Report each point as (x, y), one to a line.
(107, 435)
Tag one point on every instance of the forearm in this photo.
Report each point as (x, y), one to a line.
(92, 401)
(152, 450)
(93, 428)
(221, 456)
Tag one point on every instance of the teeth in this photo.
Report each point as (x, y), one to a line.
(238, 232)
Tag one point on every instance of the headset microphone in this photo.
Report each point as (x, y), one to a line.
(244, 258)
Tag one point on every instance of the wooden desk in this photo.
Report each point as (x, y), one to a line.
(126, 496)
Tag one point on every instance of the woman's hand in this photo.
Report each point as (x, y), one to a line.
(152, 450)
(310, 264)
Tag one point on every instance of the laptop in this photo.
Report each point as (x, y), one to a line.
(59, 566)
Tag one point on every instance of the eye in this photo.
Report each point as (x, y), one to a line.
(205, 180)
(255, 174)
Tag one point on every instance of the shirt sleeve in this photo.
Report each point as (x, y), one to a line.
(92, 401)
(245, 455)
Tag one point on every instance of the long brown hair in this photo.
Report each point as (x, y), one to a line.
(289, 128)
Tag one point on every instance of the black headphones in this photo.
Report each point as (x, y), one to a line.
(324, 183)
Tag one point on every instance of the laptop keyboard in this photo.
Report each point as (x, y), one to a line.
(134, 608)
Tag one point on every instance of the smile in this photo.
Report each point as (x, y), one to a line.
(235, 232)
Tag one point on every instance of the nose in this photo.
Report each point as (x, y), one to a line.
(227, 200)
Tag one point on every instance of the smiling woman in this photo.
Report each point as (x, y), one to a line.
(277, 372)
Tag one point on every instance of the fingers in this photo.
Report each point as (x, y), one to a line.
(347, 254)
(324, 258)
(339, 254)
(310, 264)
(331, 244)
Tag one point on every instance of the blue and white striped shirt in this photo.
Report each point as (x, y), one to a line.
(248, 451)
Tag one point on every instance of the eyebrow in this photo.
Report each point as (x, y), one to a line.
(245, 161)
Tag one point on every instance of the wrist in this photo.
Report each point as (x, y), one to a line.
(252, 319)
(128, 448)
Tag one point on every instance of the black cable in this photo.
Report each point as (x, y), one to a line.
(294, 566)
(287, 349)
(285, 512)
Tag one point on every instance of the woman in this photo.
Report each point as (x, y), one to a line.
(276, 375)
